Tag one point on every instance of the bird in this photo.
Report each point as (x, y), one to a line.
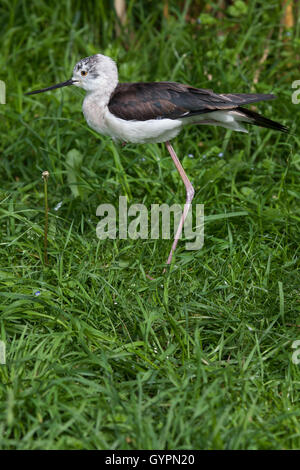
(156, 112)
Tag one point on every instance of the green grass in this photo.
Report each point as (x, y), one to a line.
(105, 358)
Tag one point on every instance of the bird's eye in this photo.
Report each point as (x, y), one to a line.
(83, 73)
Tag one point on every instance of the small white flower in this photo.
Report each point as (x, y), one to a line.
(58, 206)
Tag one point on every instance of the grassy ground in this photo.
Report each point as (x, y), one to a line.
(99, 356)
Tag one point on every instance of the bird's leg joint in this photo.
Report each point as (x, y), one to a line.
(190, 192)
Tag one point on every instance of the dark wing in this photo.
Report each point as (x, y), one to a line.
(158, 100)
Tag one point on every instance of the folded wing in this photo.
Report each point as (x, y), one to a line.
(159, 100)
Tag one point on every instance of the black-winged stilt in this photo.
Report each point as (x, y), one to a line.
(157, 111)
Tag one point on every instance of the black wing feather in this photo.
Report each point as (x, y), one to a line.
(142, 101)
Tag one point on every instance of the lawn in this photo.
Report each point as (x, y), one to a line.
(98, 356)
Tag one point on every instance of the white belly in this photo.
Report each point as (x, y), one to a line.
(153, 130)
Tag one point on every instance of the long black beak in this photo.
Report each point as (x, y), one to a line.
(59, 85)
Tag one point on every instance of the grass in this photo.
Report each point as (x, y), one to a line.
(99, 356)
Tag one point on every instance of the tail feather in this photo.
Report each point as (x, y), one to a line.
(259, 120)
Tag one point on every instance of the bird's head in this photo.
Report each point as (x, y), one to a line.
(97, 72)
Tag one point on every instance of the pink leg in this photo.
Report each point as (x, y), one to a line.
(189, 197)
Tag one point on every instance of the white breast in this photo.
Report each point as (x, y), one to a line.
(93, 111)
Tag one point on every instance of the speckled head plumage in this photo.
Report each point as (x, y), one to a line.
(88, 64)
